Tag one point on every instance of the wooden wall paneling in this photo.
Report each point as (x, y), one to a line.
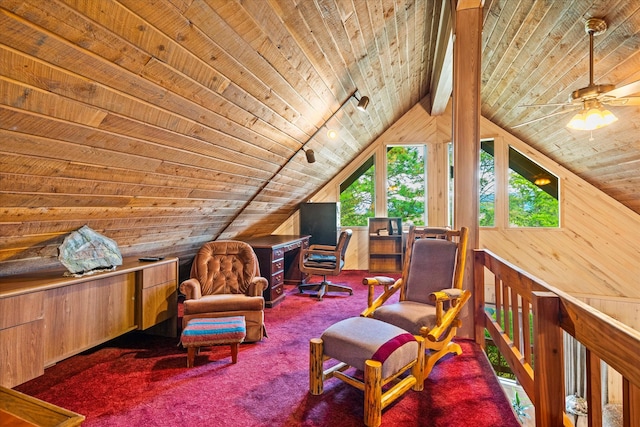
(438, 184)
(414, 126)
(594, 249)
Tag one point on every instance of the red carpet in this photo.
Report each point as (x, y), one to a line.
(140, 380)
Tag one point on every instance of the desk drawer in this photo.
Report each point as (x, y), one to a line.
(277, 292)
(277, 253)
(277, 279)
(277, 266)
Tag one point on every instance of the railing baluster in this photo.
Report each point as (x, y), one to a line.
(515, 319)
(630, 404)
(499, 307)
(526, 328)
(594, 389)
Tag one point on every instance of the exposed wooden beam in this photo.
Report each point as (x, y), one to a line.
(442, 74)
(466, 129)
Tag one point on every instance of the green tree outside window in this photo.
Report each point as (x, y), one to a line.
(406, 183)
(357, 196)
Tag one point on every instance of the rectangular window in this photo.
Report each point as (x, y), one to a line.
(533, 193)
(357, 196)
(487, 199)
(406, 183)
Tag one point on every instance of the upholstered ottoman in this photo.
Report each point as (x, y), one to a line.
(213, 331)
(382, 351)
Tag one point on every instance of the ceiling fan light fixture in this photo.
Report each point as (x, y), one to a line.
(592, 118)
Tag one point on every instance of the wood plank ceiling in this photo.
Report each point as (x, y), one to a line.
(537, 52)
(167, 123)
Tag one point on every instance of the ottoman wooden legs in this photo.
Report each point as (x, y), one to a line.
(193, 351)
(374, 399)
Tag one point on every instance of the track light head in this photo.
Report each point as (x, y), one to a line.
(311, 156)
(363, 103)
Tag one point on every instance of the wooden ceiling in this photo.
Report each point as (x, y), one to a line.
(167, 123)
(537, 52)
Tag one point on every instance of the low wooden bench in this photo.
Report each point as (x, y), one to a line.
(205, 332)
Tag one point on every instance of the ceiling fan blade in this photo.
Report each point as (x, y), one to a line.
(559, 104)
(631, 100)
(622, 102)
(626, 90)
(543, 117)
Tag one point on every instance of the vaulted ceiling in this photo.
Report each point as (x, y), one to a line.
(168, 123)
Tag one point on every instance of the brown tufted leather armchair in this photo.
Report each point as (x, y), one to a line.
(225, 281)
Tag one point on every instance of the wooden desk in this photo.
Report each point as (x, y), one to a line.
(278, 256)
(46, 317)
(19, 410)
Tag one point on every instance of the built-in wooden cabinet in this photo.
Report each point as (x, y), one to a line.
(385, 245)
(46, 317)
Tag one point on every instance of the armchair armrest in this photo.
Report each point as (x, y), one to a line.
(390, 287)
(191, 289)
(372, 282)
(317, 247)
(444, 320)
(257, 286)
(440, 297)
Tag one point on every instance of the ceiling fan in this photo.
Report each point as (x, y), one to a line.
(590, 100)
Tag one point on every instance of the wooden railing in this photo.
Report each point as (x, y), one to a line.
(534, 348)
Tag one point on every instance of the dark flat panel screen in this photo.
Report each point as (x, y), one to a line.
(320, 220)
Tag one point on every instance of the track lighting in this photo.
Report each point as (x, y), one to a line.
(363, 103)
(311, 156)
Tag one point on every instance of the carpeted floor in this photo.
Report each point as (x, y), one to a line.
(140, 380)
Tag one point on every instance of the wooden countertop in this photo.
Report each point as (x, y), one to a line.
(49, 279)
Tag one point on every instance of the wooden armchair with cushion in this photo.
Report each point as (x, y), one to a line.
(225, 281)
(431, 295)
